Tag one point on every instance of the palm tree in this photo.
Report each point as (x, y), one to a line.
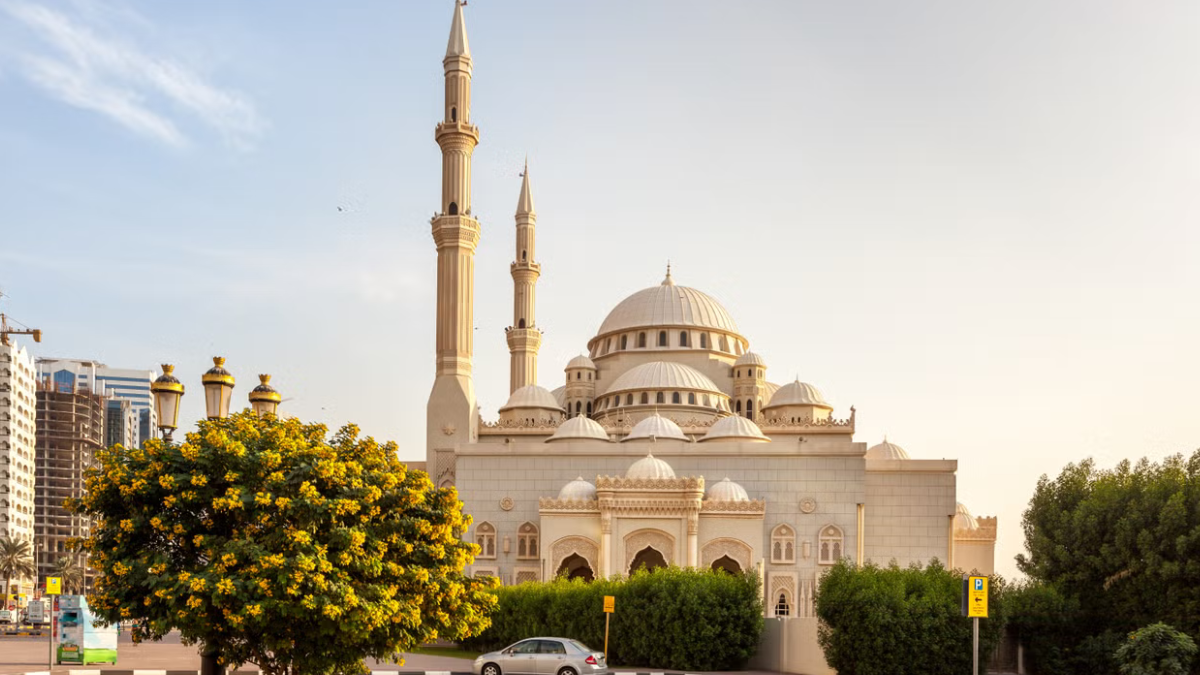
(70, 571)
(15, 561)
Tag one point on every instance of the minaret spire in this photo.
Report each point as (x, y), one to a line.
(451, 416)
(524, 338)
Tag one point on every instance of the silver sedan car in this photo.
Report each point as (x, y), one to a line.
(543, 656)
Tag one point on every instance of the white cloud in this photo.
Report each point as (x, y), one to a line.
(134, 88)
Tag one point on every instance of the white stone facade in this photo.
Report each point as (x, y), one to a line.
(18, 432)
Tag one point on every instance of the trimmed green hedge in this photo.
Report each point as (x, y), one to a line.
(893, 621)
(668, 618)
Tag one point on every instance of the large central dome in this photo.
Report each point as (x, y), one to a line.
(668, 305)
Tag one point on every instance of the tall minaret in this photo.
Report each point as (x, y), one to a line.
(451, 415)
(524, 338)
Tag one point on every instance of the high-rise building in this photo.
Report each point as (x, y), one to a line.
(18, 428)
(132, 385)
(70, 431)
(121, 424)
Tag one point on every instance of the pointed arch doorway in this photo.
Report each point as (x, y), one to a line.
(575, 566)
(648, 557)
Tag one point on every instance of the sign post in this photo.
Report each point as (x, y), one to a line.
(53, 589)
(610, 606)
(975, 602)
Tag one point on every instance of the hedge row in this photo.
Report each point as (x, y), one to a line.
(668, 618)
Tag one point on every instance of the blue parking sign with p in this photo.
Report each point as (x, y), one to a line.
(979, 584)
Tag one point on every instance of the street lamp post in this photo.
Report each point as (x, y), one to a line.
(218, 389)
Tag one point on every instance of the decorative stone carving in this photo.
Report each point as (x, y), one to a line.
(575, 545)
(737, 550)
(443, 467)
(808, 505)
(752, 506)
(556, 504)
(692, 483)
(782, 583)
(506, 503)
(449, 430)
(542, 424)
(606, 523)
(693, 523)
(656, 539)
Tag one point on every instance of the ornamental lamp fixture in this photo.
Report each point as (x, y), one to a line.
(168, 390)
(263, 398)
(218, 388)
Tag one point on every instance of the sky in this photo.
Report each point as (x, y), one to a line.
(975, 222)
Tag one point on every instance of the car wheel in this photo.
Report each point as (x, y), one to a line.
(490, 669)
(567, 671)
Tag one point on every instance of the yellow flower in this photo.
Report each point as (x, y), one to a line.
(232, 476)
(229, 560)
(167, 481)
(127, 525)
(178, 528)
(198, 540)
(198, 584)
(199, 480)
(225, 586)
(253, 610)
(121, 569)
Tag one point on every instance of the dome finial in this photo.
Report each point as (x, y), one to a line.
(668, 281)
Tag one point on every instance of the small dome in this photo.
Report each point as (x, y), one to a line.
(963, 520)
(886, 450)
(578, 490)
(657, 427)
(579, 427)
(581, 361)
(666, 375)
(650, 467)
(560, 395)
(532, 396)
(727, 491)
(735, 428)
(798, 393)
(750, 359)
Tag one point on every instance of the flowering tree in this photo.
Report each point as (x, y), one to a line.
(273, 544)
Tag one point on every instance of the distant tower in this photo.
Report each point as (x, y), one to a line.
(749, 385)
(581, 386)
(524, 338)
(452, 412)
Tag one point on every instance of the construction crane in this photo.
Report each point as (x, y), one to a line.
(16, 328)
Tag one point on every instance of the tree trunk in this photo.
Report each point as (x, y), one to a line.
(208, 661)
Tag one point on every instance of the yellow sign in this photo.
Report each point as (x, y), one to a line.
(977, 597)
(610, 604)
(53, 585)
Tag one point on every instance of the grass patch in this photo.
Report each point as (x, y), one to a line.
(453, 652)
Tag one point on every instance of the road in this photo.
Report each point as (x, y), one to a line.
(23, 654)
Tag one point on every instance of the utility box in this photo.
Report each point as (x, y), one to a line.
(77, 638)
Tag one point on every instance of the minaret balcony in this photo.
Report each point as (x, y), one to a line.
(527, 266)
(523, 339)
(448, 130)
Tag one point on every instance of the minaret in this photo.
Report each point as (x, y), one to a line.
(451, 415)
(523, 336)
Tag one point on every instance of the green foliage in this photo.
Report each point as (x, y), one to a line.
(1121, 548)
(274, 545)
(668, 618)
(69, 571)
(15, 561)
(1157, 649)
(1044, 622)
(893, 621)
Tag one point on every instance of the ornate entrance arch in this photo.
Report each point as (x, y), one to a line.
(636, 542)
(582, 547)
(736, 550)
(649, 557)
(575, 566)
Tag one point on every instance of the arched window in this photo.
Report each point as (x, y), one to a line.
(624, 342)
(675, 397)
(683, 338)
(830, 549)
(641, 340)
(578, 375)
(704, 341)
(724, 344)
(589, 377)
(521, 323)
(485, 539)
(739, 407)
(578, 407)
(659, 398)
(783, 544)
(662, 338)
(750, 408)
(522, 256)
(629, 399)
(737, 373)
(453, 114)
(691, 398)
(454, 208)
(527, 541)
(782, 606)
(645, 398)
(589, 409)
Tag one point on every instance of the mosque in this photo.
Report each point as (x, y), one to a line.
(667, 443)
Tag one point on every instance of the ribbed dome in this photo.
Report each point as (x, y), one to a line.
(560, 395)
(658, 427)
(727, 491)
(579, 490)
(751, 359)
(798, 393)
(963, 520)
(581, 361)
(532, 396)
(886, 450)
(579, 427)
(668, 305)
(771, 388)
(650, 467)
(735, 428)
(663, 375)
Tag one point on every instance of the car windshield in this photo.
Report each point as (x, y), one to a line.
(580, 646)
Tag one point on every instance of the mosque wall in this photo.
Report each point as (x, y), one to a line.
(908, 510)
